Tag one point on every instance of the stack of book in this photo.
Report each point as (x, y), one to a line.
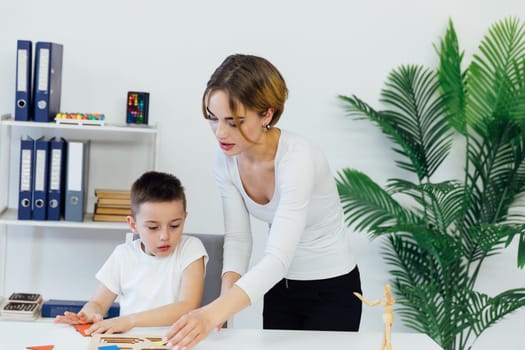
(22, 306)
(112, 205)
(55, 307)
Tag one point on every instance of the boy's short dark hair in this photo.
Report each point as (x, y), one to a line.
(155, 186)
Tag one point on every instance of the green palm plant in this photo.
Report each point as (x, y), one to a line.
(439, 233)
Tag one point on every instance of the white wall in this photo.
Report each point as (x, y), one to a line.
(170, 48)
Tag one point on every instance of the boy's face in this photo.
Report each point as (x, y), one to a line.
(159, 225)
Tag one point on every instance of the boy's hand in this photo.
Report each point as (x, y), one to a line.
(112, 325)
(80, 318)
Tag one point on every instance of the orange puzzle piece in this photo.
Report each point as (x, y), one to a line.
(41, 347)
(81, 328)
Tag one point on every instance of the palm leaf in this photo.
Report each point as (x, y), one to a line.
(521, 250)
(495, 79)
(401, 141)
(416, 109)
(488, 239)
(452, 80)
(413, 123)
(441, 203)
(484, 311)
(365, 203)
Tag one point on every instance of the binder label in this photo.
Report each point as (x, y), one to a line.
(75, 166)
(40, 170)
(56, 158)
(43, 70)
(25, 183)
(21, 83)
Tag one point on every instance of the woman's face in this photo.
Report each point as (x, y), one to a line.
(222, 123)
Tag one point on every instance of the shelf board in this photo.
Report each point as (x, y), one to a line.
(144, 129)
(9, 217)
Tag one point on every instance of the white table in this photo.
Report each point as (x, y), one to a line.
(17, 335)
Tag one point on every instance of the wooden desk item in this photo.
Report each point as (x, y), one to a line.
(127, 341)
(388, 314)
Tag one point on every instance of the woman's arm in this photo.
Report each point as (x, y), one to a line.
(237, 229)
(228, 279)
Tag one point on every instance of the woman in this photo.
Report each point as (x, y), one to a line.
(307, 274)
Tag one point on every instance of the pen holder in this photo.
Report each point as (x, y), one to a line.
(137, 107)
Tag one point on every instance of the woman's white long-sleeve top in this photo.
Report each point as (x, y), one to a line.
(307, 239)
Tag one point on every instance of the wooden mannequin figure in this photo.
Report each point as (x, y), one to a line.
(388, 314)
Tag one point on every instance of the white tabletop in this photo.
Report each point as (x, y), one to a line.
(15, 335)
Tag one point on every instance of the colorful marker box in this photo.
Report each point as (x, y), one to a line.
(137, 107)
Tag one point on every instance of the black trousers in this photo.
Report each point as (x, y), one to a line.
(323, 305)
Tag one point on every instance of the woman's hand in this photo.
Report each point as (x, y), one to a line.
(189, 330)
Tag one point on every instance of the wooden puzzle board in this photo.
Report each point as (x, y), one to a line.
(127, 342)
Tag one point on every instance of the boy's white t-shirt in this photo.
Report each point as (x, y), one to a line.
(144, 282)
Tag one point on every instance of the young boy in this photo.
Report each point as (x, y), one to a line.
(158, 277)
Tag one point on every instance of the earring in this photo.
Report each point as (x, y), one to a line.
(266, 127)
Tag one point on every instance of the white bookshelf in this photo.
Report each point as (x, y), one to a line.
(107, 138)
(9, 217)
(107, 128)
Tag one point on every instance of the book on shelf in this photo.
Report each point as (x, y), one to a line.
(54, 307)
(114, 202)
(112, 193)
(112, 211)
(112, 205)
(110, 218)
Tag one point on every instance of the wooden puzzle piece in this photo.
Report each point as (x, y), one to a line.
(160, 342)
(127, 342)
(82, 328)
(41, 347)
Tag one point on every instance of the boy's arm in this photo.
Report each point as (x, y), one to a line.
(190, 297)
(192, 285)
(93, 311)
